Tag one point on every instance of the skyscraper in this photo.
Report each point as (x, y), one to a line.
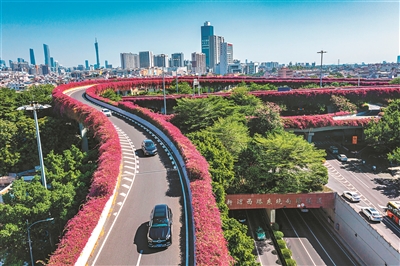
(198, 63)
(46, 55)
(32, 56)
(177, 60)
(146, 59)
(87, 64)
(129, 61)
(398, 59)
(206, 31)
(161, 60)
(215, 50)
(96, 46)
(226, 57)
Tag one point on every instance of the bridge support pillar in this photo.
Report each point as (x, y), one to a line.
(83, 130)
(271, 215)
(309, 136)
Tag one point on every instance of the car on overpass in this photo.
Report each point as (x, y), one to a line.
(160, 227)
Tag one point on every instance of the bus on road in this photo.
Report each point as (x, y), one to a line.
(393, 211)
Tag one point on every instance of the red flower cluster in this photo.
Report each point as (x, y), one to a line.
(80, 227)
(314, 121)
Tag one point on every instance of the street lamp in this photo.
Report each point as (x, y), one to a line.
(29, 235)
(320, 74)
(33, 107)
(163, 84)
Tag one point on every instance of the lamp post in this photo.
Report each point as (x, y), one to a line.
(320, 74)
(29, 235)
(163, 84)
(33, 107)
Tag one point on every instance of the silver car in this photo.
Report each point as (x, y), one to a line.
(351, 196)
(372, 214)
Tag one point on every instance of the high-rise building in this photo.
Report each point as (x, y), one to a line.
(20, 60)
(32, 57)
(146, 59)
(215, 50)
(226, 57)
(46, 55)
(198, 63)
(161, 60)
(96, 47)
(398, 59)
(51, 63)
(87, 64)
(177, 60)
(129, 61)
(206, 31)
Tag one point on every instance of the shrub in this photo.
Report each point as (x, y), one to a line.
(281, 243)
(290, 262)
(275, 226)
(278, 234)
(287, 253)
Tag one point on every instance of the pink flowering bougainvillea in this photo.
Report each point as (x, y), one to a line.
(80, 227)
(211, 246)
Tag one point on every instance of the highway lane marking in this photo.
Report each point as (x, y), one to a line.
(332, 237)
(120, 204)
(129, 162)
(131, 158)
(294, 230)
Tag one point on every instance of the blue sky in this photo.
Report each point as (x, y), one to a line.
(351, 31)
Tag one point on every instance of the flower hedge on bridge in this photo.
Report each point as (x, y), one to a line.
(80, 227)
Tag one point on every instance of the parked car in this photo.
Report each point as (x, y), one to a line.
(351, 196)
(160, 227)
(372, 214)
(148, 147)
(106, 112)
(342, 157)
(260, 233)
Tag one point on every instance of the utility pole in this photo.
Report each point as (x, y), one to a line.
(320, 74)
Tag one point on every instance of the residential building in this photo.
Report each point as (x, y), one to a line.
(285, 72)
(198, 63)
(252, 68)
(96, 46)
(146, 59)
(177, 60)
(129, 61)
(215, 50)
(206, 31)
(46, 55)
(161, 60)
(32, 57)
(226, 57)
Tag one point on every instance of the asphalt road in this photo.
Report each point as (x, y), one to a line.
(310, 242)
(145, 182)
(375, 191)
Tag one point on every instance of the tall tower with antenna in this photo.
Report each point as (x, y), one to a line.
(96, 46)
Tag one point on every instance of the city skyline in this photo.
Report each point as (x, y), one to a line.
(351, 31)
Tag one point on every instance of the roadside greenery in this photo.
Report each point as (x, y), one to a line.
(68, 174)
(384, 134)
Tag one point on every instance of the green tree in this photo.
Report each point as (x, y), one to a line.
(183, 88)
(395, 81)
(281, 162)
(232, 133)
(384, 134)
(220, 160)
(239, 244)
(343, 104)
(197, 114)
(266, 119)
(8, 146)
(247, 103)
(111, 94)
